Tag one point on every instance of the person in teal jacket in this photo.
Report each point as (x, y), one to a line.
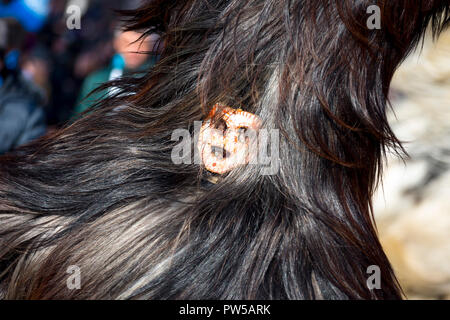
(129, 57)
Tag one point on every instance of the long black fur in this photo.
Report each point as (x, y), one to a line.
(103, 193)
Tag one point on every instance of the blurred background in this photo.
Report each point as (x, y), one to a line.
(48, 66)
(412, 209)
(53, 53)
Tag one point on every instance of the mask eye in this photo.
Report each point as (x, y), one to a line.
(220, 125)
(242, 134)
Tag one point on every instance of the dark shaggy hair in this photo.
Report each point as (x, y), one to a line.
(103, 194)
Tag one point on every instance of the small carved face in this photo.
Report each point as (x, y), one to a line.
(225, 138)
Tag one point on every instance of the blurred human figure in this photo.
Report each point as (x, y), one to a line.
(32, 16)
(36, 67)
(131, 55)
(30, 13)
(22, 117)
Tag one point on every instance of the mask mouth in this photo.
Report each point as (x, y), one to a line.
(220, 152)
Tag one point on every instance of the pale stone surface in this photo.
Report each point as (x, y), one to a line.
(413, 209)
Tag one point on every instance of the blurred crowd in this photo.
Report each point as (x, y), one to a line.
(48, 67)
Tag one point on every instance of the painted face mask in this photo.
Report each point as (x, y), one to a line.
(226, 138)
